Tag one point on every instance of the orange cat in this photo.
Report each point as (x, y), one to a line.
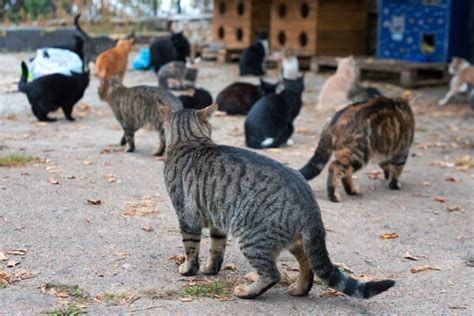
(113, 62)
(333, 95)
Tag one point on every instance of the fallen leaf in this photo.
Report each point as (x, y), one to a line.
(105, 150)
(17, 251)
(178, 258)
(53, 181)
(87, 162)
(409, 256)
(464, 162)
(62, 294)
(121, 254)
(12, 263)
(4, 278)
(452, 179)
(251, 276)
(441, 199)
(424, 268)
(186, 299)
(94, 202)
(427, 183)
(147, 228)
(454, 208)
(389, 236)
(420, 194)
(373, 175)
(457, 307)
(331, 293)
(3, 256)
(230, 267)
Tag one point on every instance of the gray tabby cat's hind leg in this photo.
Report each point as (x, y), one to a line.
(304, 283)
(123, 141)
(216, 252)
(191, 243)
(162, 146)
(129, 138)
(263, 260)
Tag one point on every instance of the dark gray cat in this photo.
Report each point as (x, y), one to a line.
(177, 75)
(137, 106)
(266, 205)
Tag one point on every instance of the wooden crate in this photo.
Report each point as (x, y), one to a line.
(319, 27)
(403, 73)
(236, 22)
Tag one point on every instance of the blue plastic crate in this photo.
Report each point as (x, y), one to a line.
(423, 30)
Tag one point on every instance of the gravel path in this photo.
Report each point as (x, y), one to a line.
(122, 252)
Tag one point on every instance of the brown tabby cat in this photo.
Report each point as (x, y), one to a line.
(266, 205)
(137, 106)
(380, 129)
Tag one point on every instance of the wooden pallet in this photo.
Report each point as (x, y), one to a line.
(404, 73)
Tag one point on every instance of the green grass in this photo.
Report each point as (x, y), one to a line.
(67, 309)
(215, 289)
(2, 286)
(15, 160)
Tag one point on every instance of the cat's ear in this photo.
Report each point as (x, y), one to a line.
(165, 113)
(207, 111)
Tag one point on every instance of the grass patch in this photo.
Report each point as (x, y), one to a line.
(15, 160)
(215, 289)
(67, 309)
(2, 286)
(72, 291)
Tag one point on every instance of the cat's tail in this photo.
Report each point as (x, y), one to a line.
(23, 78)
(321, 156)
(79, 28)
(315, 248)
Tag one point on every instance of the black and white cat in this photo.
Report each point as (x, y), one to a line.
(270, 121)
(252, 58)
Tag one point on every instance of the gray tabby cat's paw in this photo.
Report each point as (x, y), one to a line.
(211, 269)
(188, 268)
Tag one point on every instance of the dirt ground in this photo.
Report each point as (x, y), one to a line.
(87, 214)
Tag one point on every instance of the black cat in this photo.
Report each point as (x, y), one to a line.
(238, 97)
(170, 48)
(270, 121)
(77, 47)
(199, 100)
(252, 58)
(51, 92)
(93, 46)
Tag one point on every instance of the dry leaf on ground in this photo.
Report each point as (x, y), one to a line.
(450, 178)
(147, 228)
(178, 258)
(87, 162)
(143, 207)
(441, 199)
(17, 251)
(331, 293)
(186, 299)
(53, 181)
(121, 254)
(230, 267)
(374, 175)
(427, 183)
(3, 256)
(389, 236)
(12, 263)
(424, 268)
(420, 194)
(94, 202)
(454, 208)
(409, 256)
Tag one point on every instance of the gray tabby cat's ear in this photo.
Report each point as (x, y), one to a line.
(207, 111)
(165, 113)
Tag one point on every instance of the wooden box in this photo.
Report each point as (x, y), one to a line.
(236, 22)
(319, 27)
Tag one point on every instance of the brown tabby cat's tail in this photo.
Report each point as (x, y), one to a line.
(321, 156)
(315, 249)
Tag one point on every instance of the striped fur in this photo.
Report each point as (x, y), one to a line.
(266, 205)
(380, 129)
(137, 106)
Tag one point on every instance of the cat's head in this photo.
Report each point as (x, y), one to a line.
(187, 124)
(457, 64)
(107, 87)
(294, 85)
(348, 67)
(267, 87)
(126, 44)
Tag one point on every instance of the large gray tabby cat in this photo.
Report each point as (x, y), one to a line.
(266, 205)
(137, 106)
